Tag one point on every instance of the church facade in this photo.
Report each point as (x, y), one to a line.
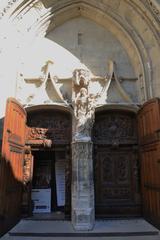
(80, 110)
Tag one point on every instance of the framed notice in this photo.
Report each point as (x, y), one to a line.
(60, 181)
(42, 200)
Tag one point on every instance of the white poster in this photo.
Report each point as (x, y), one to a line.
(60, 181)
(42, 200)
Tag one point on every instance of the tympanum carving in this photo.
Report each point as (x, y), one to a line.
(115, 128)
(50, 128)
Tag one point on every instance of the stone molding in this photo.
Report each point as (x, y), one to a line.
(7, 7)
(155, 9)
(153, 6)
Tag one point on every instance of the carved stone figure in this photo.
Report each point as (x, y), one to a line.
(81, 104)
(81, 77)
(84, 114)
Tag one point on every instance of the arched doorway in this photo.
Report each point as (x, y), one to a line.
(116, 164)
(49, 136)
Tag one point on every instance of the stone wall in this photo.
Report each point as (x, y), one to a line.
(133, 26)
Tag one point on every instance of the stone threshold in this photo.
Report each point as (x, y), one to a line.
(86, 234)
(108, 228)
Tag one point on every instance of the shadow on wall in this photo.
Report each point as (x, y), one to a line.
(92, 44)
(10, 197)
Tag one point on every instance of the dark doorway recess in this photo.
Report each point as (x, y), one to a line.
(44, 175)
(49, 136)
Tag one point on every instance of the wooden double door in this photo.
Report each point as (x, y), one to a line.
(116, 165)
(121, 177)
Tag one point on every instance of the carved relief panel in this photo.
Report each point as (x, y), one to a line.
(115, 128)
(49, 127)
(116, 168)
(114, 173)
(117, 181)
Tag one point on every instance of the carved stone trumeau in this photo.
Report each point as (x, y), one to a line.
(82, 180)
(82, 186)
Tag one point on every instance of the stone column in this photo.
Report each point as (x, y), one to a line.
(83, 102)
(83, 214)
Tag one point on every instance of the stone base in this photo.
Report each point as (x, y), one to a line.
(82, 186)
(83, 219)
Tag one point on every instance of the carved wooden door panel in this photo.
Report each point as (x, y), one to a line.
(116, 183)
(149, 140)
(27, 178)
(11, 168)
(117, 190)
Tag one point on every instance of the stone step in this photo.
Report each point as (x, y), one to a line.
(137, 229)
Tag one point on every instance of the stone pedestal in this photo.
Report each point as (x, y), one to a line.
(83, 215)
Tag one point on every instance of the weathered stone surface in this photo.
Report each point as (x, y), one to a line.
(83, 103)
(82, 186)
